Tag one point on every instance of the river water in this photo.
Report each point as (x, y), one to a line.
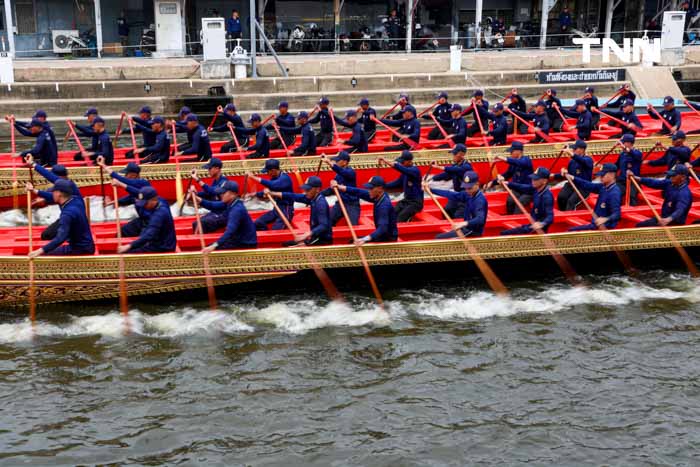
(449, 375)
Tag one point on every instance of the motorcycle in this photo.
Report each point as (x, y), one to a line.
(296, 39)
(425, 39)
(315, 39)
(148, 41)
(364, 44)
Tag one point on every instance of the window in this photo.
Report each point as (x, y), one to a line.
(25, 17)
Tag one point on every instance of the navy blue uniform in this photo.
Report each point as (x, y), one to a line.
(500, 129)
(385, 226)
(483, 116)
(283, 122)
(325, 135)
(136, 183)
(581, 167)
(476, 209)
(51, 177)
(240, 230)
(149, 138)
(410, 128)
(520, 106)
(629, 160)
(369, 125)
(201, 146)
(320, 219)
(627, 117)
(440, 112)
(519, 171)
(158, 234)
(454, 172)
(307, 147)
(677, 201)
(43, 151)
(673, 155)
(617, 103)
(540, 121)
(345, 176)
(159, 151)
(672, 117)
(555, 121)
(216, 218)
(104, 148)
(262, 142)
(209, 191)
(608, 203)
(358, 139)
(133, 187)
(584, 123)
(410, 182)
(237, 122)
(542, 208)
(282, 183)
(590, 103)
(74, 228)
(88, 132)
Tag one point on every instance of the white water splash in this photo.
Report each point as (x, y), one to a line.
(192, 322)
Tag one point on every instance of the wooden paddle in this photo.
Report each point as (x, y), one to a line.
(133, 137)
(179, 195)
(667, 230)
(490, 276)
(336, 138)
(442, 130)
(205, 258)
(295, 168)
(425, 111)
(532, 127)
(32, 285)
(123, 292)
(610, 151)
(489, 154)
(219, 109)
(663, 120)
(235, 138)
(119, 129)
(403, 138)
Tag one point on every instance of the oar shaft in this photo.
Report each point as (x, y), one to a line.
(213, 120)
(403, 138)
(336, 138)
(119, 130)
(663, 120)
(32, 278)
(211, 292)
(133, 135)
(235, 138)
(442, 130)
(428, 109)
(605, 156)
(286, 152)
(123, 292)
(386, 114)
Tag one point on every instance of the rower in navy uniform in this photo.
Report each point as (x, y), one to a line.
(240, 230)
(358, 140)
(307, 147)
(279, 181)
(519, 104)
(519, 170)
(409, 128)
(591, 102)
(442, 111)
(629, 160)
(43, 151)
(215, 218)
(669, 114)
(499, 132)
(143, 119)
(409, 182)
(200, 145)
(480, 105)
(261, 148)
(455, 173)
(542, 211)
(284, 121)
(321, 229)
(24, 129)
(181, 127)
(629, 117)
(581, 166)
(455, 126)
(158, 232)
(677, 196)
(385, 227)
(366, 113)
(129, 178)
(230, 115)
(87, 131)
(344, 175)
(624, 94)
(476, 207)
(403, 102)
(551, 102)
(678, 153)
(325, 135)
(73, 225)
(607, 211)
(539, 119)
(584, 119)
(159, 151)
(103, 147)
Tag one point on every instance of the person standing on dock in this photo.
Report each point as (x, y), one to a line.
(123, 32)
(409, 182)
(385, 227)
(677, 196)
(284, 121)
(358, 139)
(307, 147)
(519, 171)
(409, 127)
(201, 146)
(325, 135)
(73, 224)
(678, 153)
(143, 120)
(607, 211)
(261, 147)
(344, 175)
(230, 115)
(159, 152)
(321, 229)
(455, 173)
(43, 151)
(442, 112)
(542, 211)
(158, 233)
(581, 166)
(234, 30)
(279, 181)
(627, 115)
(539, 119)
(365, 118)
(629, 161)
(584, 119)
(669, 113)
(87, 131)
(476, 208)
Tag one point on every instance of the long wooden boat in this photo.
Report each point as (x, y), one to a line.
(83, 278)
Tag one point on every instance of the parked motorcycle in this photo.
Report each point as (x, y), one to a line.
(148, 41)
(296, 39)
(425, 39)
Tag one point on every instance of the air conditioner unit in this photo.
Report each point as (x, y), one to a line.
(61, 39)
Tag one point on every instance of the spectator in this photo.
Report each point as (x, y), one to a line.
(565, 23)
(394, 27)
(233, 29)
(123, 30)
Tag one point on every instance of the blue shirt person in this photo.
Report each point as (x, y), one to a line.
(669, 114)
(367, 118)
(321, 229)
(499, 132)
(199, 137)
(323, 118)
(344, 175)
(43, 151)
(454, 173)
(358, 139)
(261, 148)
(102, 143)
(455, 125)
(623, 95)
(519, 170)
(542, 211)
(240, 230)
(158, 233)
(233, 25)
(281, 182)
(441, 111)
(409, 128)
(476, 208)
(539, 119)
(677, 197)
(678, 153)
(385, 227)
(230, 116)
(143, 119)
(628, 116)
(584, 119)
(215, 218)
(629, 160)
(581, 166)
(129, 179)
(159, 152)
(607, 211)
(409, 181)
(307, 147)
(73, 225)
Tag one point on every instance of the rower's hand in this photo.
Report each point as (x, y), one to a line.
(564, 173)
(500, 158)
(361, 241)
(688, 165)
(266, 192)
(601, 221)
(425, 184)
(36, 253)
(101, 162)
(649, 106)
(290, 152)
(194, 175)
(118, 184)
(334, 184)
(514, 92)
(29, 160)
(665, 221)
(459, 225)
(29, 186)
(537, 225)
(381, 160)
(629, 173)
(501, 179)
(209, 249)
(435, 165)
(603, 106)
(301, 237)
(554, 104)
(123, 249)
(219, 109)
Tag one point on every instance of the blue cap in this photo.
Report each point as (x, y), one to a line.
(145, 110)
(184, 111)
(553, 91)
(678, 169)
(160, 120)
(498, 106)
(254, 118)
(540, 104)
(364, 101)
(324, 101)
(36, 122)
(98, 119)
(59, 170)
(228, 185)
(627, 138)
(627, 102)
(350, 113)
(146, 194)
(540, 174)
(374, 182)
(455, 107)
(607, 168)
(131, 167)
(91, 111)
(478, 93)
(404, 96)
(579, 145)
(312, 182)
(580, 102)
(410, 108)
(516, 146)
(230, 107)
(342, 156)
(406, 155)
(669, 100)
(442, 95)
(470, 179)
(270, 164)
(303, 114)
(40, 114)
(213, 162)
(282, 104)
(678, 135)
(192, 118)
(458, 148)
(589, 89)
(64, 186)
